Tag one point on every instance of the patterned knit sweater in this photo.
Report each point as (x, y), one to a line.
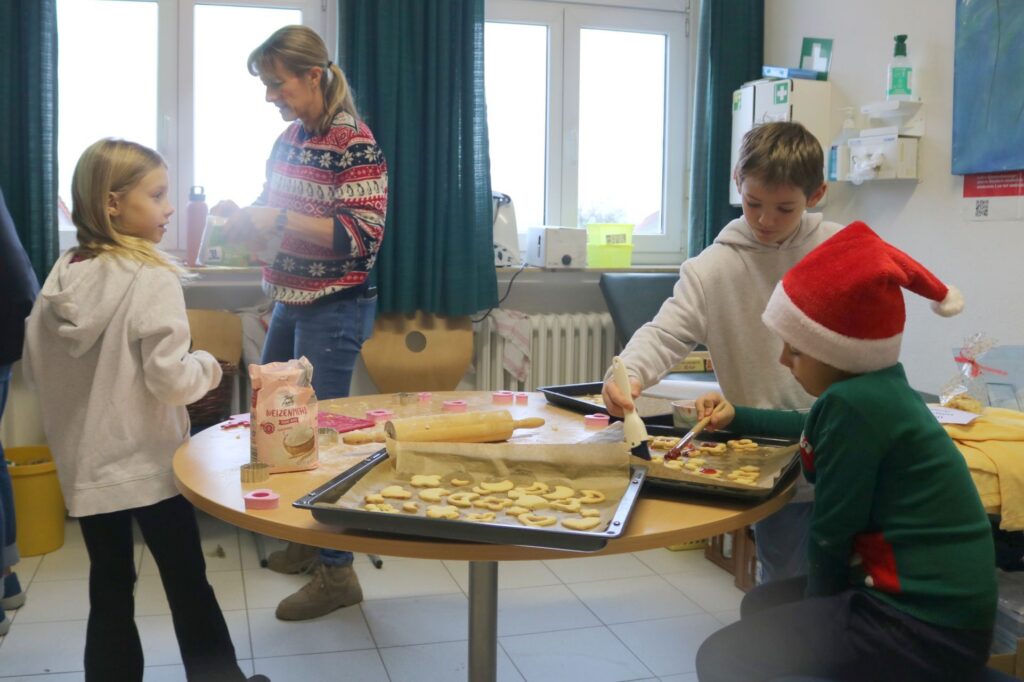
(896, 513)
(341, 175)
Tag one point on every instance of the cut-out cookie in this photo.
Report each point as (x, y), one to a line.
(570, 505)
(536, 520)
(383, 507)
(425, 480)
(433, 494)
(410, 507)
(435, 511)
(581, 524)
(495, 487)
(591, 496)
(481, 516)
(561, 492)
(532, 502)
(459, 482)
(462, 499)
(517, 510)
(374, 498)
(493, 503)
(396, 492)
(535, 488)
(588, 513)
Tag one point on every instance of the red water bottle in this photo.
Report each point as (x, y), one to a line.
(196, 222)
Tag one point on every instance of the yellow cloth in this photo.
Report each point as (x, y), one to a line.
(993, 446)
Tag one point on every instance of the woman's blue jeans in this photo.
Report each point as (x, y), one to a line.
(330, 334)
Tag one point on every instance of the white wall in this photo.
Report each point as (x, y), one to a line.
(983, 259)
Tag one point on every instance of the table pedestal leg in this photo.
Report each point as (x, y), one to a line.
(483, 621)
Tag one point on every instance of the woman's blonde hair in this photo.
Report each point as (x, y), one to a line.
(112, 166)
(297, 49)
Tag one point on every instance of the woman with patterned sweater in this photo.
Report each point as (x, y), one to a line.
(325, 199)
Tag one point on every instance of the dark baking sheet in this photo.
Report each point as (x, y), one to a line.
(470, 531)
(789, 472)
(567, 396)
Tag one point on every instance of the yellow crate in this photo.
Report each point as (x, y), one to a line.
(690, 365)
(610, 234)
(609, 256)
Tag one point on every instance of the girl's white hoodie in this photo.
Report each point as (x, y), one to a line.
(107, 350)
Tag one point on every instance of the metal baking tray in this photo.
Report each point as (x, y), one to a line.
(652, 410)
(788, 473)
(321, 503)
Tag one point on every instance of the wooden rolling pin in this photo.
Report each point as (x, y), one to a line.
(472, 427)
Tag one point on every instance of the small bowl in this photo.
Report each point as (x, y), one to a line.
(684, 413)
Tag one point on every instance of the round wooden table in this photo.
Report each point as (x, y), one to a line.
(207, 473)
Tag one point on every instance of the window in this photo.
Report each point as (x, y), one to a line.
(587, 111)
(171, 74)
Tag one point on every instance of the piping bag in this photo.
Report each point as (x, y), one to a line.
(632, 426)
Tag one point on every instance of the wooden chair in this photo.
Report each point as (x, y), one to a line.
(412, 352)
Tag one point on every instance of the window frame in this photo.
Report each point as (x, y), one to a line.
(565, 19)
(175, 94)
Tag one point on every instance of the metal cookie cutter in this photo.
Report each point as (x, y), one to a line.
(254, 472)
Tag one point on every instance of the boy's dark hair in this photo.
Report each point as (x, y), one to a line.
(782, 153)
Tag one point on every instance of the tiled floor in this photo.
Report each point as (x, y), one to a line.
(601, 619)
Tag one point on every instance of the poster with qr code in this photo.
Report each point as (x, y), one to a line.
(994, 196)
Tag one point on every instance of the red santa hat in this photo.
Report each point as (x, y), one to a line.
(842, 303)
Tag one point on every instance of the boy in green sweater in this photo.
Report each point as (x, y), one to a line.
(901, 582)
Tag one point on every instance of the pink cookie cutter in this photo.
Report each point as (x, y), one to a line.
(454, 406)
(596, 421)
(522, 398)
(262, 498)
(502, 397)
(378, 416)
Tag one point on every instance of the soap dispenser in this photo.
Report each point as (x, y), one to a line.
(900, 76)
(838, 152)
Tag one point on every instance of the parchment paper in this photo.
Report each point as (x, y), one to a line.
(595, 466)
(771, 458)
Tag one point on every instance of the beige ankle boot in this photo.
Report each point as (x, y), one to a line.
(294, 558)
(331, 587)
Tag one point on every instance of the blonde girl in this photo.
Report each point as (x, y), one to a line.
(107, 350)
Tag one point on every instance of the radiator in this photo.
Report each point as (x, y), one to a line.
(564, 349)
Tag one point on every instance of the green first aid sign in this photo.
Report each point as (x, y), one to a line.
(781, 92)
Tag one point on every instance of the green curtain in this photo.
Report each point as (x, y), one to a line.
(730, 52)
(28, 125)
(416, 67)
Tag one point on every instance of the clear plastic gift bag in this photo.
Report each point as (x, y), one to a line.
(981, 378)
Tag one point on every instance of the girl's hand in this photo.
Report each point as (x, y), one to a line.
(718, 408)
(617, 403)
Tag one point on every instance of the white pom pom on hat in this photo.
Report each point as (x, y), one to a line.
(843, 303)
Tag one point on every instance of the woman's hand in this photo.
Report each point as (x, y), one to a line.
(718, 408)
(617, 403)
(225, 208)
(251, 224)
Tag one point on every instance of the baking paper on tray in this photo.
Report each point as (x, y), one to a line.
(772, 460)
(591, 466)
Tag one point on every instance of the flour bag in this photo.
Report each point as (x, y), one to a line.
(284, 416)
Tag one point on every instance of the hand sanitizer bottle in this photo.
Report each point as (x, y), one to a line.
(838, 152)
(900, 79)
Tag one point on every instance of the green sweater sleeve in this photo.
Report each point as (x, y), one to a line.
(752, 421)
(845, 453)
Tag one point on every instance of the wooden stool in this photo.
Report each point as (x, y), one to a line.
(418, 352)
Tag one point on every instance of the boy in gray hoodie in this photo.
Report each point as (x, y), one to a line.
(719, 299)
